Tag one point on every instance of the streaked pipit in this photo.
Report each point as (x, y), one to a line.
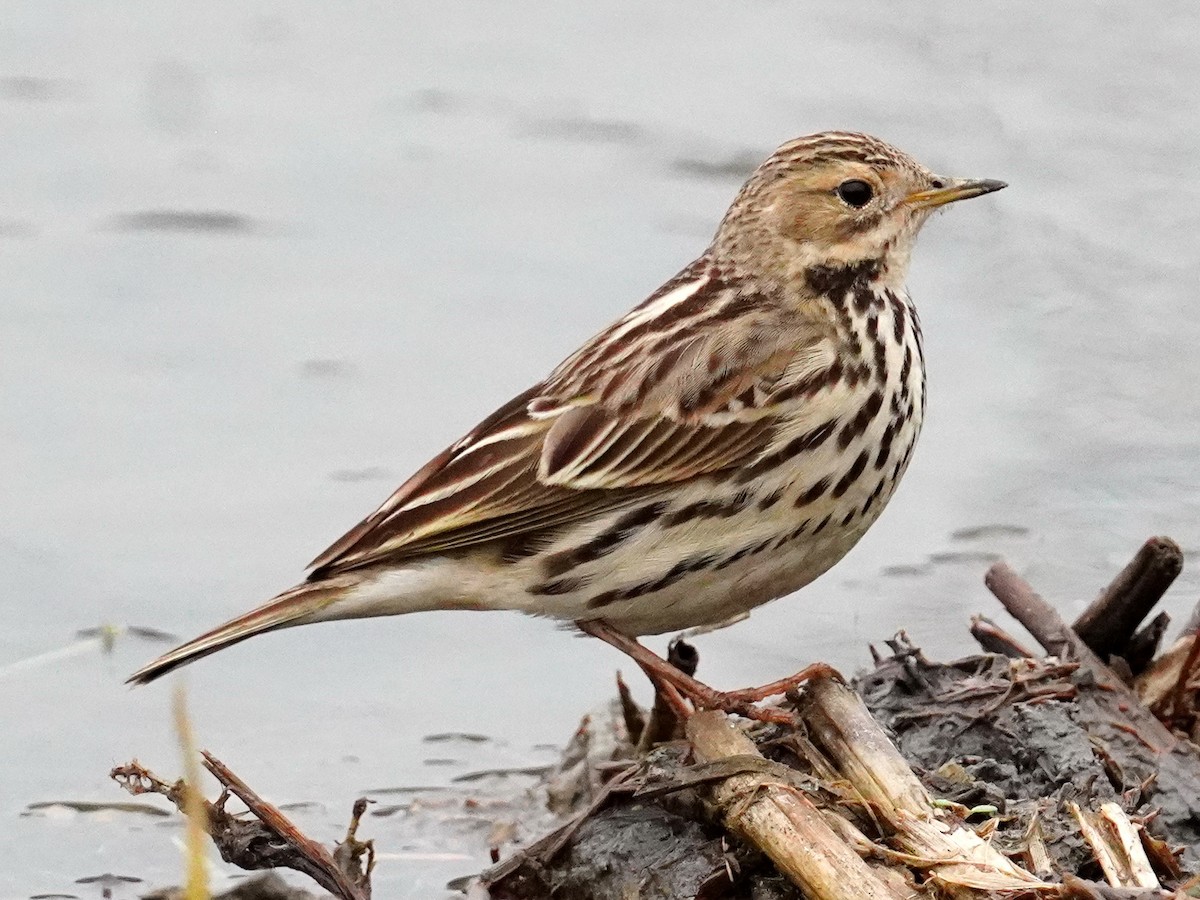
(721, 445)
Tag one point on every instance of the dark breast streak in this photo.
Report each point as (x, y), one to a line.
(857, 305)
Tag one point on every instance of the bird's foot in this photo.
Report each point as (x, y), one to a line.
(678, 688)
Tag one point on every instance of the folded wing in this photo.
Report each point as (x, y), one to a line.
(681, 388)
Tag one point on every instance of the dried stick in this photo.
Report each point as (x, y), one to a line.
(781, 822)
(994, 639)
(1170, 685)
(840, 726)
(855, 746)
(1116, 845)
(1144, 645)
(1028, 608)
(1116, 714)
(1044, 623)
(269, 840)
(1108, 624)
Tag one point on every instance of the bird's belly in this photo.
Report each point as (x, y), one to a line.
(714, 552)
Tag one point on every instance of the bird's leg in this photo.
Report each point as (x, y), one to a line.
(677, 685)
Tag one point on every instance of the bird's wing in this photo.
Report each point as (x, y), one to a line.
(688, 384)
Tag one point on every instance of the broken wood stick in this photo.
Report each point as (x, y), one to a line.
(1116, 845)
(1044, 623)
(1112, 712)
(1109, 623)
(994, 639)
(269, 840)
(1170, 686)
(782, 822)
(856, 747)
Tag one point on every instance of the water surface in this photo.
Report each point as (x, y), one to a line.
(261, 261)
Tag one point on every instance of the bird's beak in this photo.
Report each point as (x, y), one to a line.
(956, 189)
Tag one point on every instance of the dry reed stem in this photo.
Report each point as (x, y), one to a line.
(856, 746)
(1116, 845)
(196, 883)
(783, 823)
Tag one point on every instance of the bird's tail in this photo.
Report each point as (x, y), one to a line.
(296, 606)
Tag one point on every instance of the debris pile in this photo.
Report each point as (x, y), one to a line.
(1005, 773)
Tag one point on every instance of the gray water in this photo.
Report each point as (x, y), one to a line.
(260, 261)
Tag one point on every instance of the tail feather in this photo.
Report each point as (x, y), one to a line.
(293, 607)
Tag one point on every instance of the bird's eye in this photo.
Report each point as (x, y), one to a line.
(855, 193)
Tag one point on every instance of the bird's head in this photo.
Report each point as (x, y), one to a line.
(835, 199)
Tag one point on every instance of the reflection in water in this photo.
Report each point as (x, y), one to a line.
(453, 196)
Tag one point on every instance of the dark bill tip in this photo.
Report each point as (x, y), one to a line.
(957, 189)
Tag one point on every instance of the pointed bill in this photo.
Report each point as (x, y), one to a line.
(955, 189)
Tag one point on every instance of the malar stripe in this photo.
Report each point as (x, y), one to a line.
(865, 300)
(837, 281)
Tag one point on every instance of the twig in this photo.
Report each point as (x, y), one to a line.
(1179, 696)
(1108, 624)
(1144, 645)
(545, 849)
(1107, 701)
(994, 639)
(631, 713)
(1170, 685)
(1038, 617)
(269, 840)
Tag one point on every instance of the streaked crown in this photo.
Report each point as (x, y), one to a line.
(834, 198)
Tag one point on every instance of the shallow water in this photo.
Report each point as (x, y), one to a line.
(260, 263)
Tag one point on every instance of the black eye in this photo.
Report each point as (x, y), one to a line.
(937, 184)
(855, 193)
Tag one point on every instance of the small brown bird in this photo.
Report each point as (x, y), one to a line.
(721, 445)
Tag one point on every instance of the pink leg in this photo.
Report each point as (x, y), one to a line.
(677, 685)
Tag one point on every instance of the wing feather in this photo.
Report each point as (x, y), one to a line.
(695, 400)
